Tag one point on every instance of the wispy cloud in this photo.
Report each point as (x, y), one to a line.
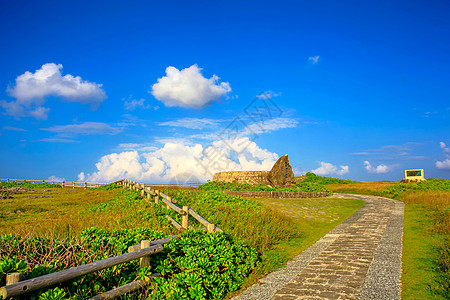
(314, 59)
(13, 128)
(86, 128)
(132, 104)
(268, 95)
(390, 151)
(272, 125)
(192, 123)
(57, 140)
(188, 88)
(137, 147)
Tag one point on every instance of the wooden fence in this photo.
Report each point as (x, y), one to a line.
(15, 287)
(62, 183)
(16, 284)
(148, 192)
(85, 185)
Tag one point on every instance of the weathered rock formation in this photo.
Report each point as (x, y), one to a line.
(280, 174)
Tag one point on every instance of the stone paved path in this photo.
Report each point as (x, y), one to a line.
(359, 259)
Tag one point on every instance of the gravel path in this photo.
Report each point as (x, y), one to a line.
(359, 259)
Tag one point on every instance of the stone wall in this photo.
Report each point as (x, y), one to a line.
(275, 194)
(250, 177)
(281, 175)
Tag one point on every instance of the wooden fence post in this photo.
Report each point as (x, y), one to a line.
(157, 197)
(145, 261)
(211, 227)
(148, 196)
(185, 217)
(14, 278)
(170, 200)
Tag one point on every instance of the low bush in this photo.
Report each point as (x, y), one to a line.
(233, 186)
(311, 177)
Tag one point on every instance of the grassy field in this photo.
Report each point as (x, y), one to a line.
(363, 188)
(426, 237)
(278, 229)
(66, 212)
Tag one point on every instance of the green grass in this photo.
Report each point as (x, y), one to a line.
(419, 258)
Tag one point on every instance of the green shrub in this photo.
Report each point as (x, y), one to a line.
(311, 177)
(233, 186)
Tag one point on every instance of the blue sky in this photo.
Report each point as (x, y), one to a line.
(103, 90)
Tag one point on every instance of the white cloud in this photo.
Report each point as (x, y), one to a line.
(85, 128)
(31, 89)
(56, 178)
(314, 59)
(191, 123)
(380, 169)
(445, 164)
(188, 88)
(329, 169)
(176, 161)
(444, 147)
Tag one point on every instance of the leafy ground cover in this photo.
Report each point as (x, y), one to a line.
(197, 266)
(234, 186)
(426, 240)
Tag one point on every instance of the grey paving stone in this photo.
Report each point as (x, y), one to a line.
(359, 259)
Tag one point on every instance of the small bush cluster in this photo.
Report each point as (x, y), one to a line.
(233, 186)
(311, 177)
